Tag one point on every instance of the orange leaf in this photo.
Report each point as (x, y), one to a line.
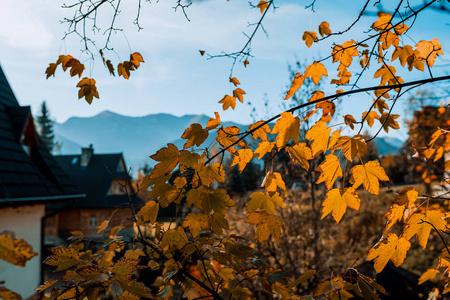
(213, 123)
(88, 90)
(195, 135)
(51, 70)
(315, 71)
(309, 37)
(388, 120)
(168, 158)
(370, 116)
(149, 212)
(389, 247)
(238, 93)
(260, 132)
(428, 50)
(124, 68)
(300, 153)
(402, 53)
(265, 201)
(330, 169)
(417, 225)
(272, 181)
(386, 73)
(110, 67)
(351, 147)
(287, 127)
(62, 258)
(320, 134)
(337, 201)
(135, 59)
(262, 5)
(383, 21)
(324, 28)
(428, 275)
(202, 52)
(15, 251)
(295, 85)
(228, 101)
(242, 157)
(350, 120)
(263, 148)
(76, 68)
(368, 174)
(234, 81)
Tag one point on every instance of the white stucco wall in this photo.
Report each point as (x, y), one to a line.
(25, 222)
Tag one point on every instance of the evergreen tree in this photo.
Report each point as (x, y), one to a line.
(45, 127)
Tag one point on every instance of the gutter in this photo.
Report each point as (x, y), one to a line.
(41, 198)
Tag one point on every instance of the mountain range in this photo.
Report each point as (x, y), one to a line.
(139, 137)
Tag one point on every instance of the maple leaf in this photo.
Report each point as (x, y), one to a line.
(7, 294)
(124, 68)
(388, 120)
(428, 50)
(389, 247)
(344, 53)
(309, 37)
(263, 148)
(368, 174)
(15, 251)
(242, 157)
(401, 28)
(149, 212)
(174, 238)
(50, 71)
(262, 5)
(370, 117)
(266, 225)
(328, 109)
(217, 200)
(135, 59)
(103, 226)
(261, 132)
(272, 181)
(405, 199)
(228, 102)
(238, 93)
(402, 53)
(324, 28)
(380, 105)
(364, 61)
(328, 287)
(383, 22)
(419, 225)
(350, 120)
(295, 85)
(320, 134)
(246, 63)
(234, 81)
(386, 73)
(88, 90)
(388, 39)
(213, 123)
(218, 223)
(330, 169)
(337, 201)
(76, 68)
(195, 135)
(260, 200)
(63, 59)
(110, 67)
(168, 158)
(287, 127)
(316, 71)
(351, 147)
(333, 139)
(62, 258)
(196, 222)
(300, 153)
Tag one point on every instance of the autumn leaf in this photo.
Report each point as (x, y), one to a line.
(320, 134)
(261, 132)
(262, 5)
(260, 200)
(246, 63)
(428, 50)
(337, 201)
(195, 135)
(217, 200)
(419, 225)
(324, 28)
(63, 59)
(350, 120)
(103, 226)
(76, 68)
(196, 223)
(202, 52)
(15, 251)
(295, 85)
(344, 53)
(300, 153)
(385, 72)
(213, 123)
(370, 117)
(272, 181)
(51, 70)
(7, 294)
(263, 148)
(287, 127)
(380, 105)
(316, 71)
(218, 223)
(62, 258)
(352, 146)
(168, 158)
(266, 225)
(388, 120)
(110, 67)
(135, 59)
(428, 275)
(383, 21)
(88, 90)
(149, 212)
(228, 102)
(390, 247)
(369, 175)
(402, 53)
(400, 29)
(242, 157)
(234, 81)
(174, 238)
(124, 68)
(238, 93)
(309, 37)
(364, 61)
(405, 199)
(330, 169)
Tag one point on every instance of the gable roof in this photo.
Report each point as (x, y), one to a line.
(96, 179)
(33, 177)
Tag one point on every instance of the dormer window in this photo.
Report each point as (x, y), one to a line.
(24, 143)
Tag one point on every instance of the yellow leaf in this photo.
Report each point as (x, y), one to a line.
(76, 68)
(389, 247)
(352, 147)
(386, 73)
(295, 85)
(328, 109)
(263, 148)
(103, 226)
(242, 157)
(196, 223)
(218, 223)
(234, 81)
(15, 251)
(271, 226)
(8, 294)
(124, 68)
(402, 53)
(217, 200)
(350, 120)
(213, 123)
(333, 139)
(228, 102)
(428, 275)
(168, 158)
(262, 5)
(51, 70)
(188, 160)
(287, 127)
(210, 173)
(238, 93)
(370, 117)
(265, 201)
(337, 201)
(174, 237)
(228, 136)
(324, 28)
(344, 53)
(388, 120)
(380, 105)
(428, 50)
(316, 71)
(134, 254)
(300, 153)
(368, 174)
(418, 224)
(394, 215)
(320, 133)
(45, 286)
(415, 62)
(135, 59)
(88, 90)
(328, 287)
(309, 37)
(195, 135)
(330, 169)
(383, 22)
(62, 258)
(149, 212)
(272, 181)
(261, 132)
(400, 29)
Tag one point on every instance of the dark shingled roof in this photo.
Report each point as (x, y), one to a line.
(36, 177)
(96, 179)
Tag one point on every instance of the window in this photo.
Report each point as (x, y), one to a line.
(93, 221)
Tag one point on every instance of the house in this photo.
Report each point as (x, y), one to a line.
(30, 178)
(109, 192)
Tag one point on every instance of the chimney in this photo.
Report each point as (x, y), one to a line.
(86, 154)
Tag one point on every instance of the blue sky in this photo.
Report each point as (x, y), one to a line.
(175, 78)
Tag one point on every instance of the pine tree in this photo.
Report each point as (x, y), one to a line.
(45, 125)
